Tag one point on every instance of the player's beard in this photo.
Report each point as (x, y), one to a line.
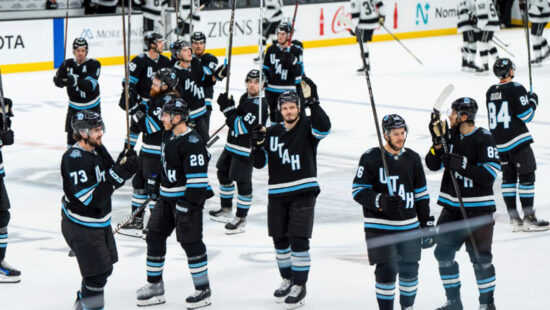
(153, 93)
(95, 142)
(292, 121)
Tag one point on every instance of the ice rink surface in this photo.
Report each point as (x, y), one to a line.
(242, 268)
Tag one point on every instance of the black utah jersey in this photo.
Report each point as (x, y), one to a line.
(88, 183)
(184, 173)
(479, 172)
(509, 110)
(240, 123)
(191, 84)
(281, 78)
(141, 69)
(84, 94)
(292, 155)
(407, 180)
(209, 64)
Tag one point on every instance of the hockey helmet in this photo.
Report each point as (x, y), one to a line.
(86, 120)
(151, 38)
(502, 67)
(393, 121)
(198, 36)
(465, 106)
(284, 27)
(167, 76)
(80, 42)
(288, 96)
(176, 106)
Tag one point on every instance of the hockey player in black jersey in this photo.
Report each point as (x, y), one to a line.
(8, 274)
(80, 76)
(183, 191)
(510, 107)
(283, 68)
(90, 177)
(147, 121)
(193, 79)
(234, 164)
(405, 210)
(473, 161)
(209, 64)
(290, 151)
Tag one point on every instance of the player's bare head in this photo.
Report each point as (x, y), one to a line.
(88, 127)
(163, 80)
(252, 82)
(289, 105)
(185, 52)
(463, 110)
(80, 49)
(395, 131)
(198, 41)
(154, 41)
(283, 32)
(174, 112)
(504, 68)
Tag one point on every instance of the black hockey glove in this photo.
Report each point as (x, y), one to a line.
(387, 202)
(126, 164)
(133, 103)
(257, 135)
(436, 132)
(287, 59)
(309, 90)
(522, 5)
(221, 72)
(428, 233)
(152, 186)
(69, 80)
(473, 19)
(8, 105)
(381, 20)
(533, 100)
(227, 105)
(7, 137)
(454, 162)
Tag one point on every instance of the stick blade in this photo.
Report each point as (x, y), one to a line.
(443, 97)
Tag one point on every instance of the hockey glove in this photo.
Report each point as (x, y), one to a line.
(69, 80)
(522, 5)
(381, 20)
(473, 19)
(287, 59)
(428, 233)
(387, 202)
(454, 162)
(152, 186)
(7, 137)
(533, 101)
(352, 32)
(309, 90)
(8, 104)
(221, 72)
(132, 101)
(126, 164)
(436, 133)
(257, 135)
(227, 105)
(137, 116)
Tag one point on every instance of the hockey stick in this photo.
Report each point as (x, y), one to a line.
(177, 7)
(526, 25)
(500, 41)
(129, 28)
(2, 103)
(66, 29)
(502, 47)
(183, 20)
(293, 22)
(126, 81)
(436, 109)
(261, 57)
(399, 41)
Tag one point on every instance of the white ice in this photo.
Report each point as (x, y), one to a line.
(242, 268)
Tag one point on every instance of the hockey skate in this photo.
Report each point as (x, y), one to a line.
(471, 67)
(407, 308)
(222, 215)
(531, 223)
(490, 306)
(517, 224)
(235, 226)
(296, 298)
(151, 294)
(483, 70)
(134, 228)
(282, 292)
(199, 299)
(8, 274)
(537, 62)
(453, 304)
(77, 303)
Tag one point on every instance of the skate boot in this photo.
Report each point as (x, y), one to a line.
(517, 224)
(296, 298)
(407, 308)
(282, 292)
(490, 306)
(235, 226)
(483, 70)
(537, 62)
(222, 215)
(8, 274)
(77, 303)
(465, 67)
(531, 223)
(151, 294)
(471, 67)
(201, 298)
(452, 304)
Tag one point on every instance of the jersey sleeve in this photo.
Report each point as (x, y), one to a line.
(486, 169)
(80, 179)
(89, 83)
(362, 187)
(195, 166)
(242, 123)
(381, 8)
(520, 104)
(265, 67)
(134, 71)
(320, 122)
(421, 194)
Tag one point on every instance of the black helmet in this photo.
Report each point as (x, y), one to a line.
(167, 76)
(393, 121)
(79, 42)
(86, 120)
(288, 96)
(502, 67)
(253, 74)
(177, 45)
(284, 26)
(176, 106)
(151, 38)
(465, 106)
(198, 36)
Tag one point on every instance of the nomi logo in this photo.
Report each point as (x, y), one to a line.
(422, 13)
(87, 34)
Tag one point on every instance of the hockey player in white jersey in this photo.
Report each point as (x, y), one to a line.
(367, 15)
(189, 16)
(153, 15)
(466, 27)
(488, 23)
(539, 16)
(272, 17)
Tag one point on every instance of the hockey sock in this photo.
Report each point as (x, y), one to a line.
(484, 53)
(486, 280)
(537, 47)
(472, 51)
(227, 191)
(366, 54)
(138, 198)
(509, 192)
(450, 277)
(300, 259)
(198, 264)
(156, 251)
(244, 199)
(544, 46)
(526, 191)
(3, 242)
(493, 50)
(408, 282)
(282, 250)
(464, 51)
(385, 274)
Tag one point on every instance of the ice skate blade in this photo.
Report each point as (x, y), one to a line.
(203, 303)
(296, 305)
(155, 300)
(14, 279)
(220, 219)
(280, 300)
(234, 231)
(528, 228)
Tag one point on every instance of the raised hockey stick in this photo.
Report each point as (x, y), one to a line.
(261, 64)
(66, 29)
(399, 41)
(177, 8)
(293, 22)
(129, 28)
(2, 103)
(126, 81)
(436, 109)
(527, 37)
